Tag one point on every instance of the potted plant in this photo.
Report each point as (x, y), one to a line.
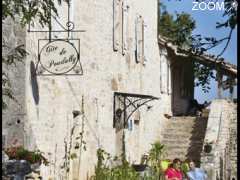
(20, 153)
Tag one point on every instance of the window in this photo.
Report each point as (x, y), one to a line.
(164, 73)
(140, 40)
(117, 24)
(120, 27)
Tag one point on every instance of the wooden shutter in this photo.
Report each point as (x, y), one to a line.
(117, 24)
(163, 74)
(139, 39)
(125, 26)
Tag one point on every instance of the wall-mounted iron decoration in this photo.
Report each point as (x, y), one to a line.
(59, 57)
(67, 28)
(125, 105)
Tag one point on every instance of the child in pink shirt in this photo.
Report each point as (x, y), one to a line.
(174, 173)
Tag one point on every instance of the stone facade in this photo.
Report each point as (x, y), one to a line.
(233, 146)
(14, 116)
(66, 115)
(51, 100)
(220, 162)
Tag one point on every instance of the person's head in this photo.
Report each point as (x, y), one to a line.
(177, 163)
(192, 164)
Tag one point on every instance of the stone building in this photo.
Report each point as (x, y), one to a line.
(112, 90)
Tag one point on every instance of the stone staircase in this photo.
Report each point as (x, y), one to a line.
(183, 137)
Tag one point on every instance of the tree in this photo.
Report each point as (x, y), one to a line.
(179, 30)
(206, 43)
(23, 12)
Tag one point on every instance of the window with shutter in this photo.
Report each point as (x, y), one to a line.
(164, 74)
(117, 24)
(125, 26)
(140, 39)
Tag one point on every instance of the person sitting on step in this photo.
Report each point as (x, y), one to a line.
(196, 173)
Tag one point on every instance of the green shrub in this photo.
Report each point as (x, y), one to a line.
(125, 171)
(20, 153)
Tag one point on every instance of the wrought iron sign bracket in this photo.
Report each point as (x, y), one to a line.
(69, 27)
(59, 56)
(125, 104)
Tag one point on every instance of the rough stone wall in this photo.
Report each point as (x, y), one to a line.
(233, 146)
(220, 132)
(14, 116)
(51, 100)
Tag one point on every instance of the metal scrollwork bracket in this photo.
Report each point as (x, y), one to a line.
(125, 104)
(69, 26)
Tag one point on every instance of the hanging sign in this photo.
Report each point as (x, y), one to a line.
(59, 57)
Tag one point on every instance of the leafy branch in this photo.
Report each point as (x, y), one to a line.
(179, 30)
(21, 12)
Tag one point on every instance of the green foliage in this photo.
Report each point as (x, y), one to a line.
(20, 153)
(156, 154)
(177, 28)
(203, 75)
(122, 170)
(185, 167)
(103, 171)
(27, 11)
(23, 12)
(231, 13)
(10, 57)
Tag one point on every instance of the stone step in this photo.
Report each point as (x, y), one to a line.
(176, 136)
(183, 148)
(172, 157)
(184, 117)
(176, 154)
(177, 148)
(187, 153)
(188, 118)
(184, 129)
(184, 121)
(187, 123)
(181, 141)
(180, 125)
(183, 137)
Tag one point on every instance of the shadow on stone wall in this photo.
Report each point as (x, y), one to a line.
(197, 139)
(34, 83)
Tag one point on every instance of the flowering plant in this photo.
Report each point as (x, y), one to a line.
(19, 153)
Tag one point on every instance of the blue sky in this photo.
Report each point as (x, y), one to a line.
(205, 25)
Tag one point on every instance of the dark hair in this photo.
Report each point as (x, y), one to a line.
(176, 160)
(191, 160)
